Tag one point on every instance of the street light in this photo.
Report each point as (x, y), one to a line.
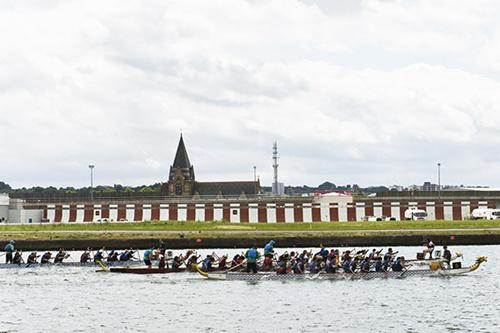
(439, 179)
(255, 180)
(91, 167)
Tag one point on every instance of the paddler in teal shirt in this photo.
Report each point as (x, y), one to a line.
(252, 255)
(269, 248)
(147, 257)
(9, 249)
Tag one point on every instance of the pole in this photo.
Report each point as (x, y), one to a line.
(91, 167)
(439, 180)
(255, 180)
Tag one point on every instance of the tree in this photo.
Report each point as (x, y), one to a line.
(5, 188)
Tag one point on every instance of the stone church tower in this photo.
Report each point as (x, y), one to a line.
(181, 179)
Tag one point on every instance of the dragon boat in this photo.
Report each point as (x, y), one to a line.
(130, 263)
(146, 270)
(273, 276)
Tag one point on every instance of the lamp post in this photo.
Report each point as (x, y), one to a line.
(255, 180)
(439, 180)
(91, 167)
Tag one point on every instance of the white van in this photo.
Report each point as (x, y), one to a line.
(486, 213)
(415, 214)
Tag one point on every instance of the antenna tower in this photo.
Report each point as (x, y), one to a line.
(275, 167)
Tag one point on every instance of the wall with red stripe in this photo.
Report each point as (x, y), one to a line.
(269, 212)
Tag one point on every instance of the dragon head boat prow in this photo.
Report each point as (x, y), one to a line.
(479, 261)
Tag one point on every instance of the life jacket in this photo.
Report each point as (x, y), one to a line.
(147, 254)
(31, 258)
(365, 266)
(9, 248)
(17, 258)
(397, 267)
(345, 266)
(313, 267)
(378, 266)
(125, 256)
(207, 264)
(353, 265)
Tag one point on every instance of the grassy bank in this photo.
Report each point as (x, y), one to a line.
(255, 230)
(223, 226)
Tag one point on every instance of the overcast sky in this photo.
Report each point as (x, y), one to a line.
(367, 92)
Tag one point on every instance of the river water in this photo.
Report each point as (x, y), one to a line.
(63, 299)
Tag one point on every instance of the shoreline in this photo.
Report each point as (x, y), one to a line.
(230, 241)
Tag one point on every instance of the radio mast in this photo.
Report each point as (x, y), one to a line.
(276, 190)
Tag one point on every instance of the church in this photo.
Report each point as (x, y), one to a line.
(182, 181)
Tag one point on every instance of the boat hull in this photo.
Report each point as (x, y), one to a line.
(145, 270)
(130, 263)
(266, 276)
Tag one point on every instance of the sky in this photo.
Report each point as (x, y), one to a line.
(354, 92)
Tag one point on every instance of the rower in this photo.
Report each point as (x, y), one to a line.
(282, 263)
(112, 256)
(346, 256)
(313, 266)
(18, 258)
(176, 262)
(346, 264)
(389, 255)
(85, 257)
(206, 265)
(399, 264)
(125, 256)
(331, 263)
(379, 265)
(236, 261)
(60, 256)
(32, 258)
(46, 258)
(162, 247)
(161, 262)
(9, 249)
(223, 262)
(304, 255)
(365, 265)
(269, 248)
(323, 252)
(374, 254)
(298, 266)
(353, 266)
(148, 254)
(429, 248)
(98, 256)
(192, 261)
(267, 264)
(252, 255)
(447, 256)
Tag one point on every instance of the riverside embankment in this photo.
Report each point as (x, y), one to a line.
(181, 235)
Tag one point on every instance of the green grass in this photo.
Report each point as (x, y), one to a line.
(231, 227)
(152, 230)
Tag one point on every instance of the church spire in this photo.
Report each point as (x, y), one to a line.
(181, 160)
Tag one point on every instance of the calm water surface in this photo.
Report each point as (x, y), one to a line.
(53, 299)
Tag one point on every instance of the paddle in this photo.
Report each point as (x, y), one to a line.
(239, 265)
(405, 270)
